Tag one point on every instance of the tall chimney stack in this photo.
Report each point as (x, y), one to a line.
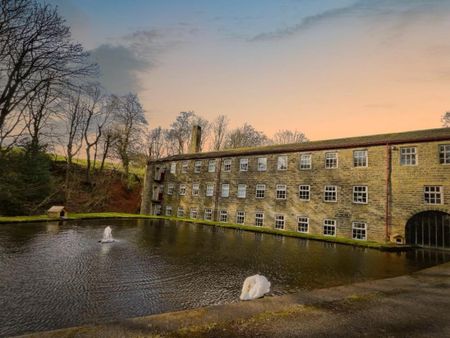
(196, 138)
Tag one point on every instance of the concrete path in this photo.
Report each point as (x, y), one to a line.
(416, 305)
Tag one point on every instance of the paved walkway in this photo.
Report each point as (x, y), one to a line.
(416, 305)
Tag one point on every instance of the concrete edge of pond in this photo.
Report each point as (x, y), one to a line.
(392, 247)
(331, 301)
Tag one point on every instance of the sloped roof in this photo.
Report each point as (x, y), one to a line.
(418, 136)
(56, 208)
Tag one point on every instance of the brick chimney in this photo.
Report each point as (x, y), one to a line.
(196, 138)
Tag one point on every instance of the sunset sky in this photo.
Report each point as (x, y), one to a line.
(328, 68)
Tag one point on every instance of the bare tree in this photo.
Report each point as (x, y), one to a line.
(446, 119)
(289, 136)
(219, 130)
(245, 136)
(180, 130)
(155, 143)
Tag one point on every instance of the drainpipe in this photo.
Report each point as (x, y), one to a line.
(216, 196)
(388, 190)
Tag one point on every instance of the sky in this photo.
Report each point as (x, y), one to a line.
(327, 68)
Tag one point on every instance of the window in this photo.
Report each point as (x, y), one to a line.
(262, 163)
(225, 190)
(303, 192)
(173, 168)
(281, 192)
(259, 218)
(180, 212)
(359, 230)
(330, 193)
(282, 163)
(182, 190)
(305, 161)
(360, 158)
(223, 216)
(243, 164)
(279, 222)
(331, 160)
(302, 224)
(208, 214)
(170, 188)
(240, 217)
(195, 189)
(360, 194)
(210, 189)
(227, 165)
(242, 191)
(168, 210)
(193, 212)
(212, 166)
(408, 156)
(433, 194)
(444, 154)
(260, 190)
(184, 167)
(329, 227)
(197, 166)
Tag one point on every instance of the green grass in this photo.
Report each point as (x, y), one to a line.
(104, 215)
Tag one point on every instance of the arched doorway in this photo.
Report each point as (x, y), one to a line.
(429, 229)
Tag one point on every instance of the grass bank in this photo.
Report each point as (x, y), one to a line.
(288, 233)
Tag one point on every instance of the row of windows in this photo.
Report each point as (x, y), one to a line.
(408, 157)
(359, 229)
(360, 195)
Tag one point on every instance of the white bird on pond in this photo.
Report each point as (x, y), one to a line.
(254, 287)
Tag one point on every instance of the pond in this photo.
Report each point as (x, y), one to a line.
(58, 275)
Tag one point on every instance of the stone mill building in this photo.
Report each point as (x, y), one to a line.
(383, 188)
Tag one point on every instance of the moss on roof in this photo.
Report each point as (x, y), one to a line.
(418, 136)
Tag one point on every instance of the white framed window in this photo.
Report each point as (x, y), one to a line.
(223, 216)
(194, 213)
(304, 192)
(360, 158)
(262, 163)
(305, 161)
(227, 165)
(168, 210)
(225, 190)
(331, 160)
(329, 227)
(408, 155)
(157, 210)
(259, 218)
(433, 194)
(282, 162)
(359, 230)
(210, 189)
(302, 224)
(281, 191)
(185, 167)
(240, 217)
(260, 191)
(444, 153)
(195, 189)
(180, 212)
(182, 190)
(173, 168)
(243, 164)
(242, 191)
(197, 167)
(279, 222)
(330, 193)
(360, 194)
(208, 214)
(212, 166)
(170, 188)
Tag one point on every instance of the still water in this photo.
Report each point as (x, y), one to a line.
(54, 276)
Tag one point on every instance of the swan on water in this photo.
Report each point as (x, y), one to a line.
(254, 287)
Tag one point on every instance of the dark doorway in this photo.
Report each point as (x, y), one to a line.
(429, 229)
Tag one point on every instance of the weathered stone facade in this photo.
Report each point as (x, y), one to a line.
(390, 192)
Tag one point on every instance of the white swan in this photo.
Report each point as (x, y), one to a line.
(107, 235)
(254, 287)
